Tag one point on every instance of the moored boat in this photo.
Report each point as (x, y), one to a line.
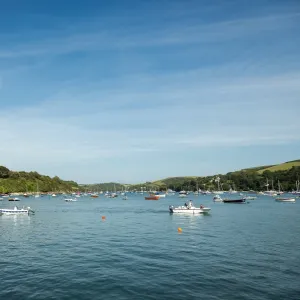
(217, 198)
(161, 195)
(16, 211)
(189, 209)
(70, 200)
(285, 199)
(242, 200)
(13, 199)
(152, 197)
(113, 195)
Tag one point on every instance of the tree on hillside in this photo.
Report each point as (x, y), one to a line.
(4, 172)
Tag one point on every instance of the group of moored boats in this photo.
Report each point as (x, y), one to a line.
(187, 208)
(217, 198)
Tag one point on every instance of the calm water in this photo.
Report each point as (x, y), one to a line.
(66, 250)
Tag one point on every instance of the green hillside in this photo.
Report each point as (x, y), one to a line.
(15, 182)
(281, 167)
(173, 181)
(257, 168)
(246, 179)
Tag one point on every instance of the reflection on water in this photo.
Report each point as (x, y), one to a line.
(188, 220)
(14, 224)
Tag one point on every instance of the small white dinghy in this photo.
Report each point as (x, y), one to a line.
(285, 199)
(16, 211)
(189, 209)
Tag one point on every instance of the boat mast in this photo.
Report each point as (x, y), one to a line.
(267, 185)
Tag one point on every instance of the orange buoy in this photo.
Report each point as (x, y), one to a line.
(103, 218)
(179, 229)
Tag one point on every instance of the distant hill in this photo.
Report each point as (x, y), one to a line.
(250, 178)
(246, 179)
(173, 180)
(281, 167)
(108, 186)
(257, 168)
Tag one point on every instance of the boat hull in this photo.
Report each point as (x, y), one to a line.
(185, 210)
(285, 200)
(243, 200)
(15, 211)
(152, 198)
(4, 212)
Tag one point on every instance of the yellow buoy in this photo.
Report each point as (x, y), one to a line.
(179, 229)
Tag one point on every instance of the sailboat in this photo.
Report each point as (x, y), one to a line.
(37, 195)
(196, 193)
(297, 192)
(232, 191)
(218, 192)
(271, 192)
(114, 194)
(279, 189)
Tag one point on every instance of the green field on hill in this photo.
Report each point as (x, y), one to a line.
(281, 167)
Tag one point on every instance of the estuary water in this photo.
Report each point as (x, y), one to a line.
(67, 251)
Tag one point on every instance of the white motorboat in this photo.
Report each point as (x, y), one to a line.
(217, 198)
(70, 200)
(189, 209)
(161, 195)
(250, 197)
(16, 211)
(285, 199)
(182, 196)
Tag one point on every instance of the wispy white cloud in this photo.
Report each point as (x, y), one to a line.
(57, 132)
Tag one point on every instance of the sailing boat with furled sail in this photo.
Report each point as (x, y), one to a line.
(37, 195)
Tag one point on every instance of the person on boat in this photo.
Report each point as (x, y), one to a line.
(185, 204)
(201, 206)
(190, 204)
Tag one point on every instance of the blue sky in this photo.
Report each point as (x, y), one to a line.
(132, 91)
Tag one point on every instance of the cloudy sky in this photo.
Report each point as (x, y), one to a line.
(130, 91)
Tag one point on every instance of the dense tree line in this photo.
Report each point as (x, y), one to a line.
(244, 180)
(13, 182)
